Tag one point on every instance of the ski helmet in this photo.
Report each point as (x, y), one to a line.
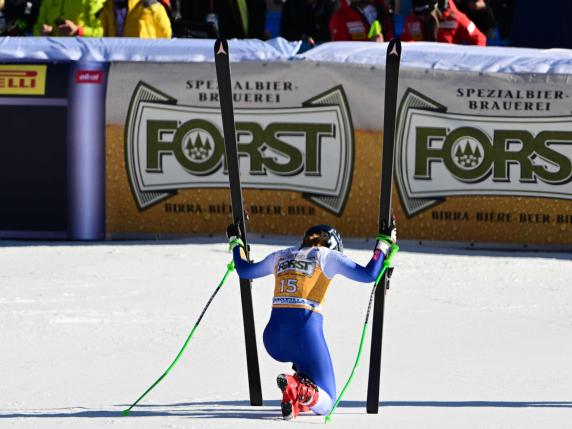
(333, 237)
(423, 7)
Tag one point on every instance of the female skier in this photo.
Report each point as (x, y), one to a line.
(294, 332)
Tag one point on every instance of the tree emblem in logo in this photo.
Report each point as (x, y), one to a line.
(468, 153)
(198, 145)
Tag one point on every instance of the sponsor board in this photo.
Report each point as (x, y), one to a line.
(307, 149)
(476, 162)
(445, 154)
(22, 79)
(89, 76)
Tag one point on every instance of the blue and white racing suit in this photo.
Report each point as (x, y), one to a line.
(295, 330)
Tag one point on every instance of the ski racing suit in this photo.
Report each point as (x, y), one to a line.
(295, 330)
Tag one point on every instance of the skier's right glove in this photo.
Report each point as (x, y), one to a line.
(233, 234)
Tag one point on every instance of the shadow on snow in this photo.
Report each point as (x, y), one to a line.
(243, 410)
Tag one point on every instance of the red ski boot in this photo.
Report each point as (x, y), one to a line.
(289, 387)
(308, 393)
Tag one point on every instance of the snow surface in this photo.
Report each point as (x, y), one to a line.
(473, 339)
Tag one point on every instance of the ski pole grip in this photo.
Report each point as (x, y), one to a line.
(393, 249)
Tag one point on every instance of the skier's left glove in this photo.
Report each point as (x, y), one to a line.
(233, 234)
(385, 242)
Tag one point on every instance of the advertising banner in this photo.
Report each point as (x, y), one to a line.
(302, 160)
(485, 157)
(23, 79)
(481, 157)
(33, 149)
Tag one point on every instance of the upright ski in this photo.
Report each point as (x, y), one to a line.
(393, 58)
(221, 53)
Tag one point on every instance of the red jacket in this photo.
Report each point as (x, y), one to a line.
(348, 23)
(454, 27)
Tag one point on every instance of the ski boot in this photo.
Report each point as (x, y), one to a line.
(307, 394)
(289, 387)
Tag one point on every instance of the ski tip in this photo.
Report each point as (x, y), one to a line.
(125, 412)
(221, 47)
(394, 47)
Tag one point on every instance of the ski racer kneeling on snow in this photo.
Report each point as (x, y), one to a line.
(295, 332)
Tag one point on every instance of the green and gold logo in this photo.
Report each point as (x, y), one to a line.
(309, 148)
(446, 154)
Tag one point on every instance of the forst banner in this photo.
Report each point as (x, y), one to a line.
(485, 158)
(302, 159)
(480, 157)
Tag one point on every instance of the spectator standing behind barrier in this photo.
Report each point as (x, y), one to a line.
(361, 20)
(307, 20)
(481, 14)
(240, 19)
(440, 21)
(146, 19)
(19, 17)
(69, 18)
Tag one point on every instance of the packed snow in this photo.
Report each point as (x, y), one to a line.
(472, 338)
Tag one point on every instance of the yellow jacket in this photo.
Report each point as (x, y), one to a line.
(145, 19)
(81, 12)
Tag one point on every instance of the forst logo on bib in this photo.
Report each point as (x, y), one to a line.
(171, 147)
(447, 154)
(305, 267)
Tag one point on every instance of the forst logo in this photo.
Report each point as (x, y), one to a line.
(470, 155)
(171, 147)
(447, 154)
(198, 146)
(305, 267)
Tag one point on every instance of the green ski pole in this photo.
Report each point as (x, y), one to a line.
(386, 264)
(229, 269)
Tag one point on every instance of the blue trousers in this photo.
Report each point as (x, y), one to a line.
(296, 335)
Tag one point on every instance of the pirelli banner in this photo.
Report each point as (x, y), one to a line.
(483, 158)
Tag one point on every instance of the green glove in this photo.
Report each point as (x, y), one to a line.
(233, 242)
(385, 242)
